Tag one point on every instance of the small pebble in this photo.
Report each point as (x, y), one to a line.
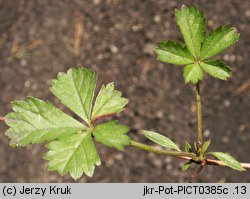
(23, 62)
(233, 12)
(232, 58)
(222, 180)
(118, 26)
(114, 49)
(169, 167)
(157, 162)
(210, 23)
(193, 108)
(242, 27)
(157, 18)
(168, 160)
(167, 24)
(48, 82)
(171, 117)
(207, 133)
(110, 162)
(96, 28)
(139, 124)
(97, 2)
(160, 114)
(100, 56)
(177, 92)
(242, 127)
(239, 58)
(227, 103)
(226, 57)
(137, 27)
(225, 140)
(247, 13)
(149, 49)
(150, 34)
(34, 87)
(175, 172)
(27, 84)
(119, 156)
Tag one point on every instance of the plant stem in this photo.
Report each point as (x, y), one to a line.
(180, 154)
(217, 162)
(195, 174)
(220, 163)
(199, 112)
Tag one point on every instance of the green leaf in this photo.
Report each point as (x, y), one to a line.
(35, 121)
(174, 53)
(71, 148)
(112, 134)
(108, 101)
(187, 146)
(228, 160)
(205, 146)
(76, 89)
(217, 69)
(218, 40)
(193, 73)
(160, 139)
(186, 166)
(74, 154)
(192, 24)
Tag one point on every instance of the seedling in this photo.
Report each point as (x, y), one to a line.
(70, 142)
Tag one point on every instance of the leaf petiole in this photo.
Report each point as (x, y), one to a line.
(179, 154)
(199, 113)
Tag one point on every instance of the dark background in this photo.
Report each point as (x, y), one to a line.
(116, 38)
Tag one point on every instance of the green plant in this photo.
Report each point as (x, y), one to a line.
(71, 147)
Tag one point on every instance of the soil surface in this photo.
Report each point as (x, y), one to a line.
(116, 38)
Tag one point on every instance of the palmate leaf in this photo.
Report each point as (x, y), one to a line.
(76, 89)
(198, 47)
(35, 121)
(74, 154)
(108, 101)
(192, 24)
(112, 134)
(193, 73)
(174, 53)
(228, 160)
(218, 40)
(161, 140)
(71, 148)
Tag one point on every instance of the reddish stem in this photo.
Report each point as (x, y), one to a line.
(219, 163)
(102, 117)
(195, 174)
(215, 162)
